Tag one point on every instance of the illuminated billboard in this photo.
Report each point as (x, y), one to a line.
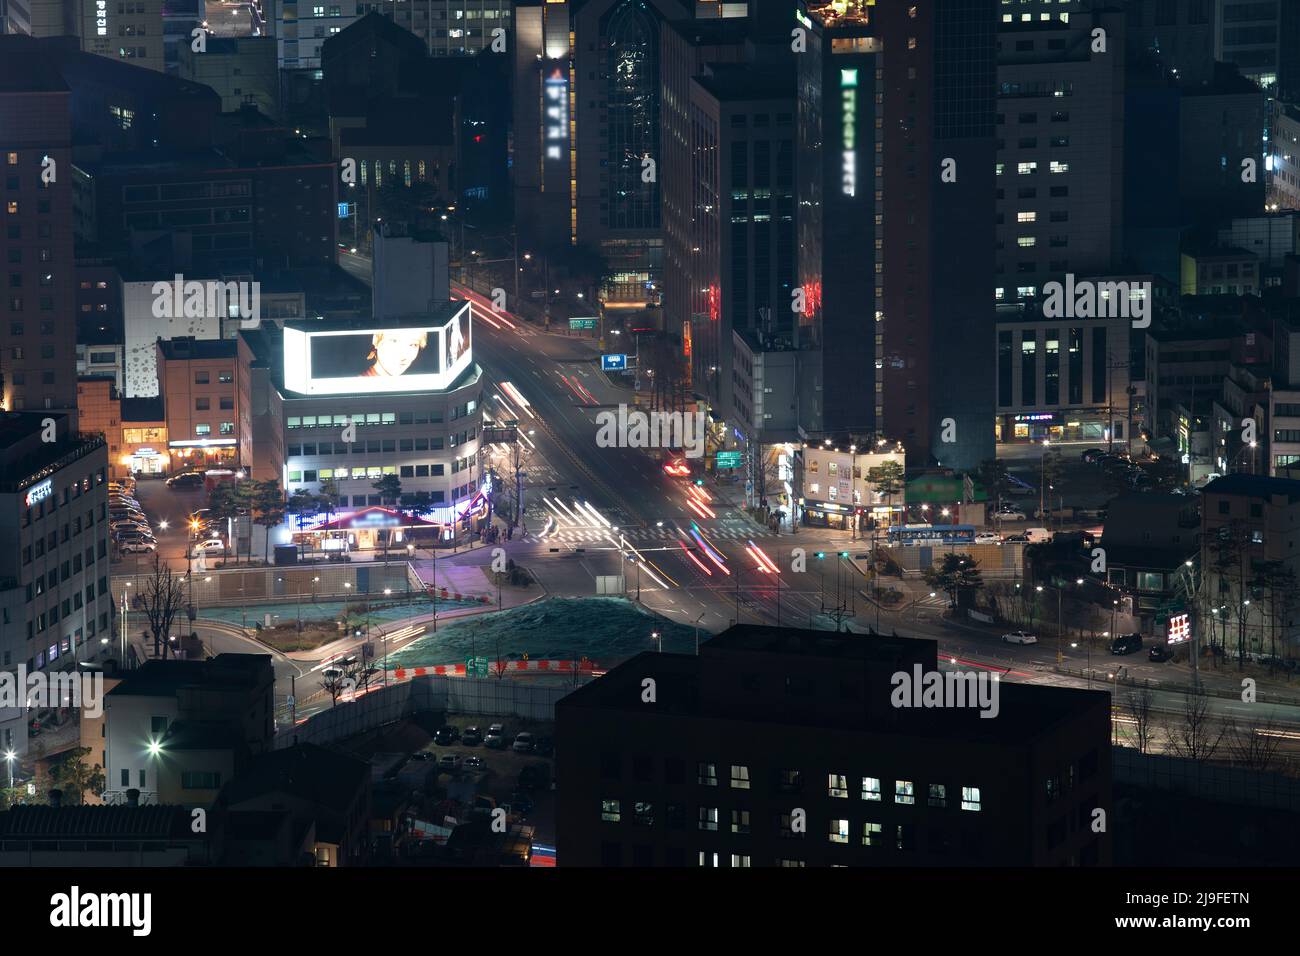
(410, 358)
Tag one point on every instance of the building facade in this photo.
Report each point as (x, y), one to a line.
(54, 574)
(734, 764)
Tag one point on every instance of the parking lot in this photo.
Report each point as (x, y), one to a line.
(167, 511)
(500, 769)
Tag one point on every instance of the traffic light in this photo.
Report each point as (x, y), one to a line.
(820, 555)
(844, 554)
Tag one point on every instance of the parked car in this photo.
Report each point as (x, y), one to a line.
(449, 762)
(123, 528)
(988, 537)
(472, 737)
(496, 737)
(210, 546)
(1016, 538)
(125, 534)
(535, 776)
(523, 743)
(1019, 637)
(522, 803)
(1016, 486)
(446, 735)
(1126, 644)
(473, 763)
(187, 481)
(138, 546)
(1091, 455)
(1008, 513)
(544, 747)
(1160, 653)
(424, 755)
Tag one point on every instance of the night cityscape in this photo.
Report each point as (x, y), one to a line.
(489, 435)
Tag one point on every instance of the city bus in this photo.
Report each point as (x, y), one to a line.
(932, 534)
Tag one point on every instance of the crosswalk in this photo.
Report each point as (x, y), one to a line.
(655, 535)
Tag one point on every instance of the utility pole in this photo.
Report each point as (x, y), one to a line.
(514, 235)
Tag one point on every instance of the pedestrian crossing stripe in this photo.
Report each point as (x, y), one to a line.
(655, 534)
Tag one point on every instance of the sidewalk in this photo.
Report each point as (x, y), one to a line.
(511, 597)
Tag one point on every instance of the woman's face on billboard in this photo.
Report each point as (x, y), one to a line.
(394, 352)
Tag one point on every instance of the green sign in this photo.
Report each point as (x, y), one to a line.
(577, 324)
(728, 459)
(476, 667)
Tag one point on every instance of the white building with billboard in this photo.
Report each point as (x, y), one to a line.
(366, 398)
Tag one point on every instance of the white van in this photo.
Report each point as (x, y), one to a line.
(1038, 535)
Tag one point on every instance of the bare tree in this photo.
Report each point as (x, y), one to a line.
(1254, 746)
(1140, 700)
(341, 678)
(161, 598)
(1197, 735)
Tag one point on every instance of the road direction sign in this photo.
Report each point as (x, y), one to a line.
(728, 459)
(577, 324)
(616, 362)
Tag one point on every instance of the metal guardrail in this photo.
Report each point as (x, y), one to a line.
(1261, 695)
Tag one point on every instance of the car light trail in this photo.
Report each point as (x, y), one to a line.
(517, 397)
(557, 515)
(583, 388)
(713, 554)
(588, 507)
(698, 504)
(762, 558)
(699, 509)
(491, 315)
(698, 563)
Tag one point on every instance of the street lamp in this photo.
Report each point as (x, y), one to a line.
(656, 636)
(10, 756)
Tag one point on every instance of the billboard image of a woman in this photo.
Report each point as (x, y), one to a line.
(393, 352)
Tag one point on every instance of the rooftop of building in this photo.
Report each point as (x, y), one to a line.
(741, 82)
(166, 678)
(201, 735)
(1025, 710)
(59, 63)
(1244, 485)
(187, 348)
(1200, 332)
(28, 68)
(20, 429)
(314, 774)
(1212, 253)
(158, 822)
(254, 825)
(230, 46)
(144, 409)
(439, 314)
(405, 121)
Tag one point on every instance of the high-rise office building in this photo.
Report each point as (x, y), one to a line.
(916, 139)
(38, 323)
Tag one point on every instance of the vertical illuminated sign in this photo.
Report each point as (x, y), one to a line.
(556, 108)
(849, 135)
(101, 17)
(1180, 629)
